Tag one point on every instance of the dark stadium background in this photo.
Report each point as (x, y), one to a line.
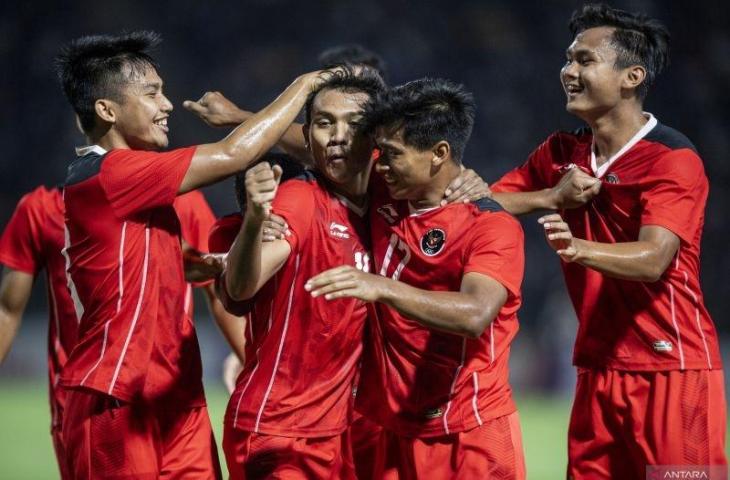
(507, 53)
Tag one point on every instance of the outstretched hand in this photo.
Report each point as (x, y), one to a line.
(347, 282)
(216, 110)
(559, 236)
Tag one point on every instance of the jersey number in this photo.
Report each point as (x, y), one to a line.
(362, 261)
(400, 245)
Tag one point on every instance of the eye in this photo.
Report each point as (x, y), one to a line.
(323, 122)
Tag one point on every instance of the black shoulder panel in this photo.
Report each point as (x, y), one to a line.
(486, 204)
(669, 137)
(307, 176)
(83, 168)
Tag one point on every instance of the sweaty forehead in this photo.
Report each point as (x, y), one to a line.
(141, 75)
(597, 38)
(338, 102)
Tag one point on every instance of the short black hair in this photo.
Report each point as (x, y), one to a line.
(290, 169)
(352, 54)
(638, 39)
(429, 110)
(347, 80)
(93, 67)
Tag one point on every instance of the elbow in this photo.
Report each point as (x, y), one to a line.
(475, 326)
(236, 291)
(653, 271)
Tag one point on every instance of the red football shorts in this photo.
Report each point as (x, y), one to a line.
(257, 456)
(623, 421)
(488, 452)
(363, 437)
(107, 438)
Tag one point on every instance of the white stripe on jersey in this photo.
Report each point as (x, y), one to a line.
(474, 398)
(137, 310)
(453, 384)
(676, 328)
(281, 347)
(697, 309)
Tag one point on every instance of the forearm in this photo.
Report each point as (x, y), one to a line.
(243, 266)
(452, 312)
(639, 261)
(520, 203)
(247, 142)
(231, 326)
(292, 142)
(9, 323)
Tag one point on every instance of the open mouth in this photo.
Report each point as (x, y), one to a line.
(162, 124)
(573, 89)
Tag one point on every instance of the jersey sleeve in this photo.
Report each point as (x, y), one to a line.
(497, 249)
(295, 203)
(533, 175)
(196, 219)
(21, 242)
(677, 194)
(135, 180)
(223, 233)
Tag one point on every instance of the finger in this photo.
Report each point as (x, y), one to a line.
(327, 274)
(277, 171)
(556, 225)
(328, 279)
(560, 236)
(454, 185)
(553, 217)
(276, 219)
(334, 287)
(344, 293)
(194, 107)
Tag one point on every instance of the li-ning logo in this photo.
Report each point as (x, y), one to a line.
(611, 178)
(389, 213)
(339, 231)
(662, 346)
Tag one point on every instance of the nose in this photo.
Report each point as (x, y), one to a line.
(341, 132)
(569, 71)
(166, 105)
(382, 165)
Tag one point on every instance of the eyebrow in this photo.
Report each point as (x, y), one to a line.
(153, 85)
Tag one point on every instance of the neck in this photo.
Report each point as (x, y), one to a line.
(354, 190)
(614, 129)
(432, 195)
(109, 139)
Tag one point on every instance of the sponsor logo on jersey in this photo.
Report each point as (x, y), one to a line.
(433, 242)
(612, 178)
(433, 413)
(339, 231)
(389, 213)
(662, 346)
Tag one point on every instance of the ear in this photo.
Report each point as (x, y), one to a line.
(305, 132)
(441, 152)
(635, 75)
(106, 110)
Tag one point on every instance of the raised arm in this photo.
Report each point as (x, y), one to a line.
(644, 260)
(252, 262)
(15, 289)
(218, 111)
(466, 312)
(574, 189)
(215, 161)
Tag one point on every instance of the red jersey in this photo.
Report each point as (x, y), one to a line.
(302, 352)
(420, 382)
(32, 241)
(125, 274)
(223, 233)
(656, 179)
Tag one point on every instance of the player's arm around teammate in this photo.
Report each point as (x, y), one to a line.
(466, 312)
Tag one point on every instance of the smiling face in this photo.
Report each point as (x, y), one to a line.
(142, 113)
(406, 170)
(592, 83)
(339, 150)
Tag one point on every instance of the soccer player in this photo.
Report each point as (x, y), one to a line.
(135, 405)
(447, 293)
(33, 240)
(650, 385)
(293, 400)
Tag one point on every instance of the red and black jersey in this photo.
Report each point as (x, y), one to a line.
(302, 352)
(420, 382)
(656, 179)
(125, 275)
